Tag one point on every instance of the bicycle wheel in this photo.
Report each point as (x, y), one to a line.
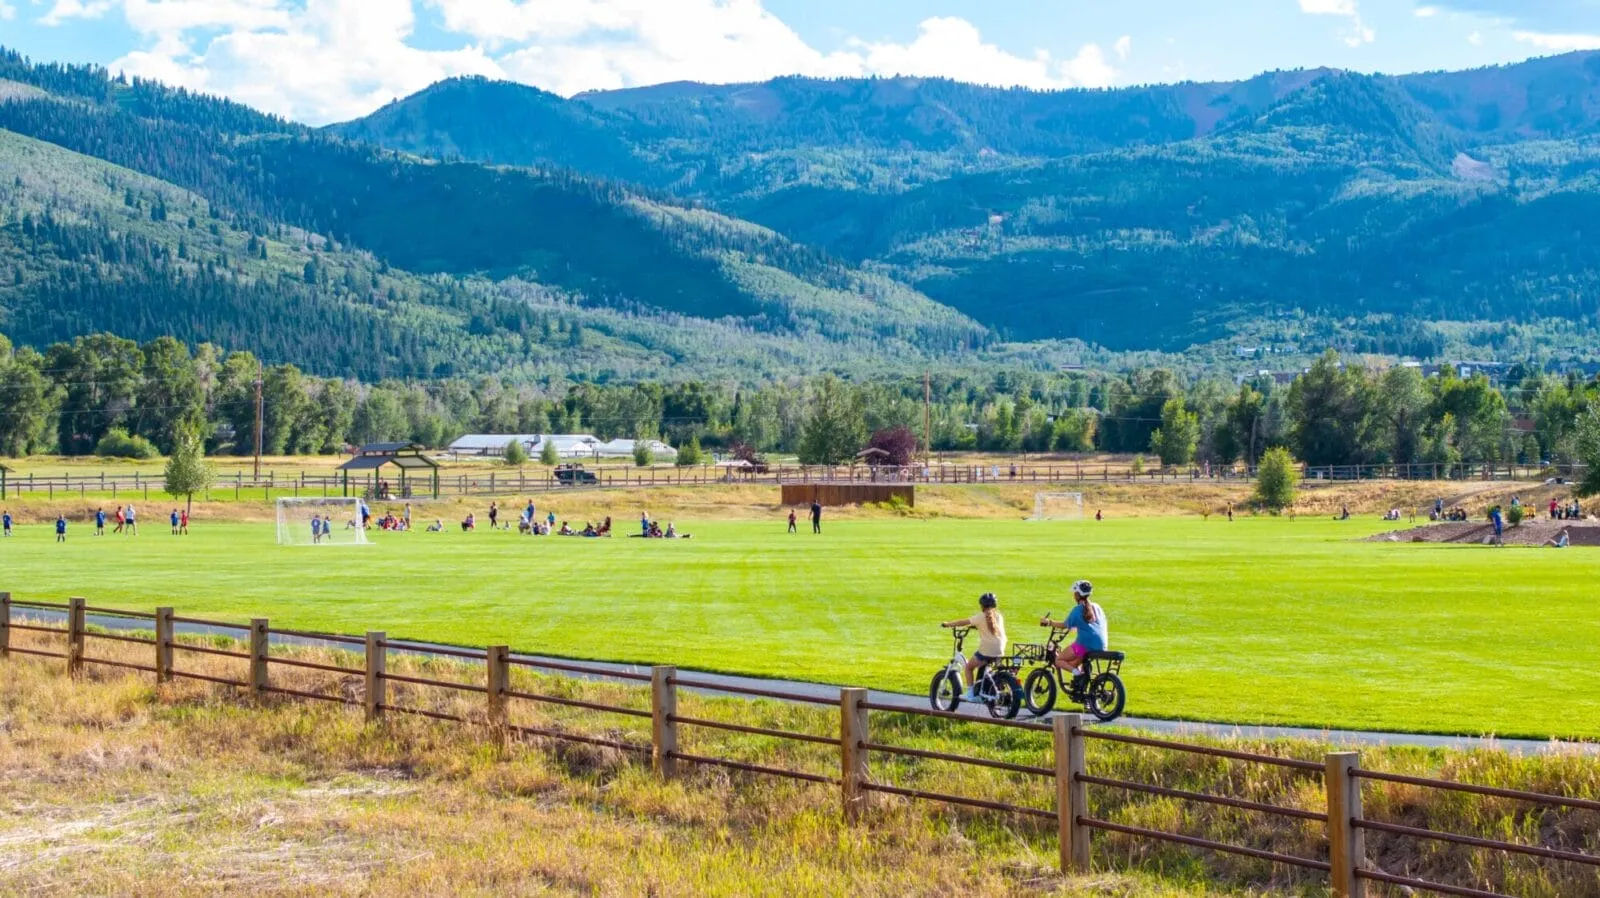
(1008, 697)
(1039, 692)
(944, 693)
(1107, 697)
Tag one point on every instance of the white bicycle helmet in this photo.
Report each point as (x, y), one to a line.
(1082, 588)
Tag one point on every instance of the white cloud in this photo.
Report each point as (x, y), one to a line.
(954, 48)
(1559, 43)
(7, 11)
(1475, 38)
(326, 60)
(1425, 12)
(1359, 32)
(62, 10)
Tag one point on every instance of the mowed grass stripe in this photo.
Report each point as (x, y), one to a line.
(1258, 621)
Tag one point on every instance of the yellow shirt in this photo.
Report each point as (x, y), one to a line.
(990, 643)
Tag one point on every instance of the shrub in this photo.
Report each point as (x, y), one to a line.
(117, 443)
(1138, 465)
(1277, 479)
(1515, 514)
(516, 453)
(641, 453)
(548, 456)
(690, 454)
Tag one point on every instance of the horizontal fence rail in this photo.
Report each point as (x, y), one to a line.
(538, 479)
(1346, 866)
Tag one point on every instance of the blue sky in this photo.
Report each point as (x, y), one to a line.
(327, 60)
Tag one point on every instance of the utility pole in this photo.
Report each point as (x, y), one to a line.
(260, 376)
(927, 418)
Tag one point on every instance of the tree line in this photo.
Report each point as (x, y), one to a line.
(104, 394)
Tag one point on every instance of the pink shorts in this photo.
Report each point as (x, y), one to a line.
(1078, 652)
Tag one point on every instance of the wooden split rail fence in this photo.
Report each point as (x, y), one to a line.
(1344, 863)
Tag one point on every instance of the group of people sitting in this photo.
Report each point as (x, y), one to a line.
(394, 523)
(652, 530)
(1449, 514)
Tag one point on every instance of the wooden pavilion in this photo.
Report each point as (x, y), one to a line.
(409, 458)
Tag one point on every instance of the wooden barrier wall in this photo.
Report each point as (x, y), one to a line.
(847, 493)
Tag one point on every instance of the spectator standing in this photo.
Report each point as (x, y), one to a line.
(61, 528)
(816, 516)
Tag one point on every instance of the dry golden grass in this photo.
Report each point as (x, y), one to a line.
(116, 786)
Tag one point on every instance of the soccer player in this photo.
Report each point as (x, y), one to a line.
(133, 524)
(100, 522)
(791, 522)
(61, 528)
(183, 522)
(121, 521)
(816, 517)
(174, 522)
(316, 530)
(6, 520)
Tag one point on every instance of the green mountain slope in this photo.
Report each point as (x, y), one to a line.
(596, 243)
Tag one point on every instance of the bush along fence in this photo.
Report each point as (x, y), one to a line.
(535, 479)
(1335, 852)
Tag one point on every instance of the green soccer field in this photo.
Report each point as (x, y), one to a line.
(1258, 621)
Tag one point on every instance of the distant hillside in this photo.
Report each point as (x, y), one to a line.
(744, 140)
(596, 244)
(800, 225)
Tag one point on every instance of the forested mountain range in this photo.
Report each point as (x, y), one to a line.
(149, 211)
(753, 231)
(1154, 217)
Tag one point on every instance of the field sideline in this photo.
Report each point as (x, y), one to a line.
(1258, 621)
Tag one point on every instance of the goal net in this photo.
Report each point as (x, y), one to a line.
(1057, 506)
(338, 522)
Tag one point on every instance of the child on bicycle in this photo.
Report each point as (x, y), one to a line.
(1088, 621)
(991, 629)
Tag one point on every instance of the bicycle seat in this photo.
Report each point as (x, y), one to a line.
(1104, 656)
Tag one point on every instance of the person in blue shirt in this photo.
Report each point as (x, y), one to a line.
(100, 522)
(174, 522)
(5, 519)
(61, 528)
(1499, 522)
(1088, 623)
(644, 524)
(316, 530)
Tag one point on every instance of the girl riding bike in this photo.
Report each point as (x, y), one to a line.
(991, 629)
(1089, 622)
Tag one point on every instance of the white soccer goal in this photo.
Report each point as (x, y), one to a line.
(1057, 506)
(339, 522)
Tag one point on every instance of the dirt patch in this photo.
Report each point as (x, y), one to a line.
(1532, 532)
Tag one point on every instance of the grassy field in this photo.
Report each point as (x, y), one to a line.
(1258, 621)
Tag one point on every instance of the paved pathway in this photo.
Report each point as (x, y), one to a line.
(1176, 728)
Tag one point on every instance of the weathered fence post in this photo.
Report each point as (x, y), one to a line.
(1072, 794)
(5, 624)
(498, 681)
(163, 645)
(258, 656)
(852, 751)
(75, 625)
(1346, 841)
(377, 664)
(663, 729)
